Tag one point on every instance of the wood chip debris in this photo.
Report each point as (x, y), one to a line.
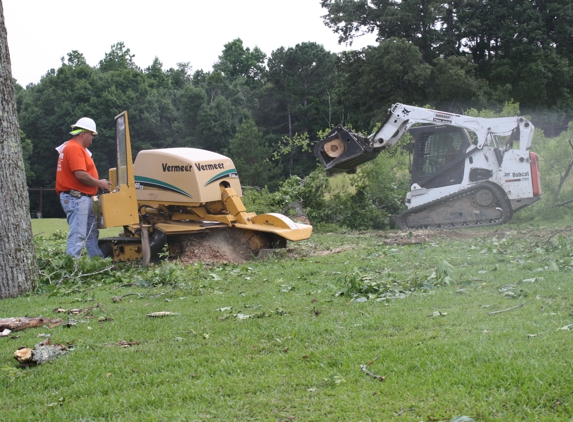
(77, 311)
(567, 327)
(161, 314)
(123, 343)
(116, 299)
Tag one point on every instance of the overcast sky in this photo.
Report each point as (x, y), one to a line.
(41, 32)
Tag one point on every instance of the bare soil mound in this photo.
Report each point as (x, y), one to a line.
(214, 247)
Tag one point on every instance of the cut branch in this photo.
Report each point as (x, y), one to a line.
(367, 372)
(563, 177)
(21, 323)
(506, 310)
(560, 204)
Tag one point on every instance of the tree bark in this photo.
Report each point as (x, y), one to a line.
(41, 353)
(21, 323)
(18, 266)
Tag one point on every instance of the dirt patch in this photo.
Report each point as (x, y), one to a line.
(334, 251)
(433, 235)
(214, 247)
(408, 240)
(229, 245)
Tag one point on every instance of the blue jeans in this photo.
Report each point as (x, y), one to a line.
(82, 224)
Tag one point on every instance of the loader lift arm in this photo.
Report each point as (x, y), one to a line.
(342, 150)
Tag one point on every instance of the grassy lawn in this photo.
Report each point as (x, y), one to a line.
(284, 339)
(48, 226)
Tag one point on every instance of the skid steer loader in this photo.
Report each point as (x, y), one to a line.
(466, 171)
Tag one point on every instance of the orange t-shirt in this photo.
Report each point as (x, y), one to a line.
(74, 157)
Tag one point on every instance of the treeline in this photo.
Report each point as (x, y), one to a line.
(460, 54)
(243, 107)
(265, 111)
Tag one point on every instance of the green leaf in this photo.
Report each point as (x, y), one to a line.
(552, 266)
(444, 269)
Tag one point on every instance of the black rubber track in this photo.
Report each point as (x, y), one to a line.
(500, 202)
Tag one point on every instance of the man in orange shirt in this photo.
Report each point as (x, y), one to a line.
(77, 181)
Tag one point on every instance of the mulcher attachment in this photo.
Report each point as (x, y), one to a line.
(342, 150)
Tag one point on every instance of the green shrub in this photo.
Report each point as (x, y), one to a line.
(554, 156)
(310, 191)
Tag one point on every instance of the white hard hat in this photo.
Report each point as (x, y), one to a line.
(85, 123)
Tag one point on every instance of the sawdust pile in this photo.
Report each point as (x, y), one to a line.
(214, 247)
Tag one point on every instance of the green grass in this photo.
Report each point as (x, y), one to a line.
(334, 303)
(46, 227)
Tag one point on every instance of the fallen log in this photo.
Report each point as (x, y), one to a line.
(41, 353)
(21, 323)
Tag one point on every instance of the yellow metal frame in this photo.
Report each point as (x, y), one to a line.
(119, 207)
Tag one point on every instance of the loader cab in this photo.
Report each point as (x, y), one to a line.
(438, 155)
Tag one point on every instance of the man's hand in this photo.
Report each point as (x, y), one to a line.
(104, 184)
(86, 179)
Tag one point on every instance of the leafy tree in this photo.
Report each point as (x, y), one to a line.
(158, 78)
(190, 100)
(376, 77)
(181, 76)
(413, 20)
(543, 80)
(292, 151)
(302, 78)
(75, 58)
(238, 61)
(252, 157)
(455, 87)
(119, 57)
(217, 123)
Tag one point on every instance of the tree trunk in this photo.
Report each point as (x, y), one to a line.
(18, 266)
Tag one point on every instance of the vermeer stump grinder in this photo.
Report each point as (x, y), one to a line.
(175, 200)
